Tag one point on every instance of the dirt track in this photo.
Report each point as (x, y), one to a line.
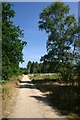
(31, 103)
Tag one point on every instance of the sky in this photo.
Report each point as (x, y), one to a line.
(27, 17)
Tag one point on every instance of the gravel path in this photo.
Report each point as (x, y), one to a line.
(31, 103)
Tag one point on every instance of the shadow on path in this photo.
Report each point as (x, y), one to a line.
(42, 99)
(25, 84)
(64, 98)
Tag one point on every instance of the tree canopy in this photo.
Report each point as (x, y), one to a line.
(12, 45)
(62, 29)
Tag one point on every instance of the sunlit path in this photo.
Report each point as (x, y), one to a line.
(31, 103)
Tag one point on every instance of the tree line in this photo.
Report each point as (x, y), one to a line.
(39, 67)
(35, 67)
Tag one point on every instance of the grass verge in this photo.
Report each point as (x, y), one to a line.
(9, 93)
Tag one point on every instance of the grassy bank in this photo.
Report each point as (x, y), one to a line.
(45, 76)
(65, 98)
(9, 94)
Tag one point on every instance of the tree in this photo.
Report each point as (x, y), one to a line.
(11, 43)
(62, 29)
(36, 67)
(29, 66)
(32, 69)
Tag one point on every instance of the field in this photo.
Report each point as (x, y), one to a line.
(65, 98)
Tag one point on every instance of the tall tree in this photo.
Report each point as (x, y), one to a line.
(29, 66)
(62, 29)
(11, 43)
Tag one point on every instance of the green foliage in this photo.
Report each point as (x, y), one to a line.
(62, 29)
(78, 68)
(67, 72)
(11, 43)
(29, 66)
(23, 70)
(34, 67)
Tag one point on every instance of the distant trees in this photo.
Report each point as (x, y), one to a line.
(63, 39)
(12, 45)
(34, 67)
(29, 67)
(23, 70)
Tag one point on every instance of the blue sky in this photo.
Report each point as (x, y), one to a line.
(27, 17)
